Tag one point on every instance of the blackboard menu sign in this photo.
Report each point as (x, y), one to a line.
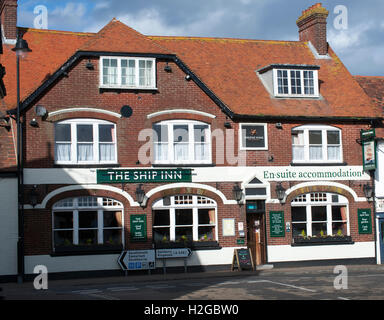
(242, 260)
(138, 227)
(364, 221)
(276, 224)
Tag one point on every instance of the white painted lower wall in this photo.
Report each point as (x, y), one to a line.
(109, 262)
(287, 253)
(8, 226)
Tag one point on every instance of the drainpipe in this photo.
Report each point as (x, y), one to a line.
(20, 184)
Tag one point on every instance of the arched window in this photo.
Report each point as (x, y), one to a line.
(85, 141)
(184, 218)
(320, 214)
(316, 144)
(86, 222)
(182, 141)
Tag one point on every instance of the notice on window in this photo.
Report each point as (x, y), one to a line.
(229, 227)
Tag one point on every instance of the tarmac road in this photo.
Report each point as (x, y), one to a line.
(363, 282)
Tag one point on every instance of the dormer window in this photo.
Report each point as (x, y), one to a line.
(301, 83)
(127, 73)
(285, 81)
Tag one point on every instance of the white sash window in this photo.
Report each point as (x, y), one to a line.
(85, 141)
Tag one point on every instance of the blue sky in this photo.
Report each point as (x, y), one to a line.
(360, 46)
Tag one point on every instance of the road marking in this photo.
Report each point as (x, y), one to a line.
(91, 291)
(228, 282)
(341, 298)
(257, 281)
(291, 286)
(123, 289)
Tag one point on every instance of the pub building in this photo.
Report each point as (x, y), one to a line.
(134, 142)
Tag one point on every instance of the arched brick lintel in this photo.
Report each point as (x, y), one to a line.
(328, 189)
(183, 191)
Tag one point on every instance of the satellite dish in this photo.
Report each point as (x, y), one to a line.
(126, 111)
(40, 111)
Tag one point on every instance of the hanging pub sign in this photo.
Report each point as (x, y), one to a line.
(144, 175)
(369, 149)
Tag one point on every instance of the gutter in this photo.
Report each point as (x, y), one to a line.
(245, 117)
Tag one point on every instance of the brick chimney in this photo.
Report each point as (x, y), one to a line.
(8, 17)
(313, 27)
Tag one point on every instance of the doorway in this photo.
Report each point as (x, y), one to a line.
(256, 232)
(381, 236)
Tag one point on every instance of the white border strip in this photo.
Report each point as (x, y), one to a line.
(150, 193)
(325, 183)
(50, 195)
(160, 113)
(110, 113)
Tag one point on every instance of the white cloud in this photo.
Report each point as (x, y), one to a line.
(341, 40)
(150, 22)
(70, 10)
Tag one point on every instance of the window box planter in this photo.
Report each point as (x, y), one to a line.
(194, 245)
(87, 250)
(321, 241)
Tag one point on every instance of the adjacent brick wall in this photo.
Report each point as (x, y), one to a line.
(9, 18)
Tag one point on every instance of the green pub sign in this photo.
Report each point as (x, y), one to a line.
(144, 175)
(138, 227)
(364, 220)
(276, 224)
(369, 149)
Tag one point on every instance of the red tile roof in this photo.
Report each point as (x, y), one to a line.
(117, 37)
(228, 67)
(50, 50)
(374, 88)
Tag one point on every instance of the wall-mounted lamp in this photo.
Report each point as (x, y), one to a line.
(167, 68)
(89, 65)
(188, 77)
(279, 126)
(280, 192)
(34, 123)
(140, 194)
(237, 192)
(368, 191)
(33, 197)
(227, 125)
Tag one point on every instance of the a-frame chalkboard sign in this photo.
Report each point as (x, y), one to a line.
(242, 260)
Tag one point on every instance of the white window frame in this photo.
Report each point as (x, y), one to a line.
(191, 142)
(324, 129)
(96, 143)
(289, 94)
(305, 201)
(265, 125)
(194, 206)
(119, 73)
(75, 209)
